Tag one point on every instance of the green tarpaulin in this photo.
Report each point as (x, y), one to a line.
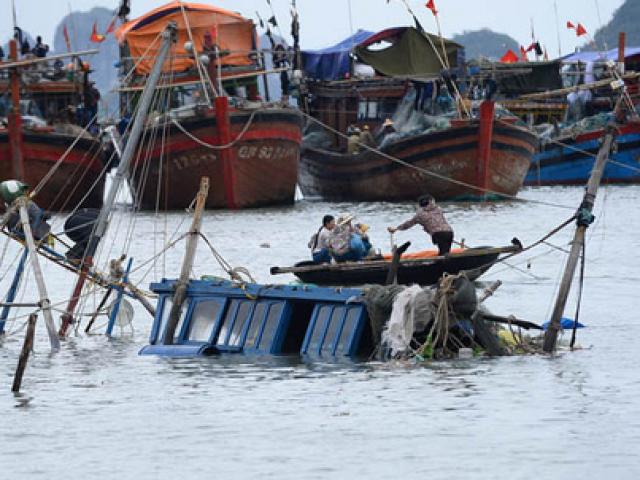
(410, 55)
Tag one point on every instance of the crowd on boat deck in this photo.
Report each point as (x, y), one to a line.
(343, 241)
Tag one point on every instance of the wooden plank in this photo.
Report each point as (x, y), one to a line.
(586, 86)
(32, 61)
(27, 346)
(187, 83)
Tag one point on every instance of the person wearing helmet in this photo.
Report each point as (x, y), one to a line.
(10, 191)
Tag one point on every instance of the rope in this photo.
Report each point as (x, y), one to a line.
(216, 147)
(434, 174)
(226, 266)
(580, 290)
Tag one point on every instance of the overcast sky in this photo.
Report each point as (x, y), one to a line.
(324, 22)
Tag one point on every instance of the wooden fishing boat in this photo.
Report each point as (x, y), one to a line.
(250, 148)
(448, 164)
(421, 270)
(260, 169)
(77, 181)
(30, 146)
(469, 158)
(569, 160)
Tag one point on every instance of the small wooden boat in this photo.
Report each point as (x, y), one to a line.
(422, 271)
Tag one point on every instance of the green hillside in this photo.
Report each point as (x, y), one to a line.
(485, 43)
(625, 19)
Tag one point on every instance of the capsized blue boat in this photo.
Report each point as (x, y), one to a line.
(568, 164)
(220, 316)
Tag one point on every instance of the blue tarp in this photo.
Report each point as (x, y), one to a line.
(332, 63)
(600, 56)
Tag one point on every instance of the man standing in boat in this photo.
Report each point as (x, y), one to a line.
(430, 217)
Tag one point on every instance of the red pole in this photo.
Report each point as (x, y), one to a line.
(621, 52)
(485, 136)
(224, 138)
(15, 118)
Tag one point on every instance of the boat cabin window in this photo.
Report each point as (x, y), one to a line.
(271, 326)
(203, 319)
(257, 320)
(336, 331)
(368, 110)
(166, 311)
(242, 317)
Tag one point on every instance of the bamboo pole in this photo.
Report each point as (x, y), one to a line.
(192, 243)
(585, 217)
(37, 273)
(27, 346)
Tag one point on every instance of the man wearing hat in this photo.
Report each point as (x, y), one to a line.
(430, 217)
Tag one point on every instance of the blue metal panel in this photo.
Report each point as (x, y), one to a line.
(177, 350)
(343, 342)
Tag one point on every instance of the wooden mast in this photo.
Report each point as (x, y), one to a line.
(180, 292)
(584, 219)
(15, 117)
(168, 36)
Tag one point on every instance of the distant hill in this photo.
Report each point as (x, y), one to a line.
(486, 43)
(79, 24)
(625, 19)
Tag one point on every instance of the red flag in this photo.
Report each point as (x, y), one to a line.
(509, 57)
(431, 5)
(580, 30)
(95, 36)
(112, 27)
(523, 54)
(531, 47)
(570, 25)
(67, 41)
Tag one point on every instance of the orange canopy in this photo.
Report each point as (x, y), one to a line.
(229, 30)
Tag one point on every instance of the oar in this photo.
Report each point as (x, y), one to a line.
(392, 276)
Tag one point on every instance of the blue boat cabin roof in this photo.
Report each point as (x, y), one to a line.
(223, 317)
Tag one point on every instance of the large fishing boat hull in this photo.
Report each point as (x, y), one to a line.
(77, 181)
(261, 170)
(445, 164)
(570, 161)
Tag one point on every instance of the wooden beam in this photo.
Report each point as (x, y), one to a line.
(586, 86)
(32, 61)
(180, 292)
(584, 219)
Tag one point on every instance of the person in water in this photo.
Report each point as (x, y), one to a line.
(319, 243)
(430, 217)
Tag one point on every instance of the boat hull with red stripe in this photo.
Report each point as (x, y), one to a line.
(77, 181)
(452, 155)
(263, 161)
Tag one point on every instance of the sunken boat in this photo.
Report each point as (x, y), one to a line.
(43, 139)
(453, 150)
(212, 121)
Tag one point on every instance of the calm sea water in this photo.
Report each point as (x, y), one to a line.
(97, 409)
